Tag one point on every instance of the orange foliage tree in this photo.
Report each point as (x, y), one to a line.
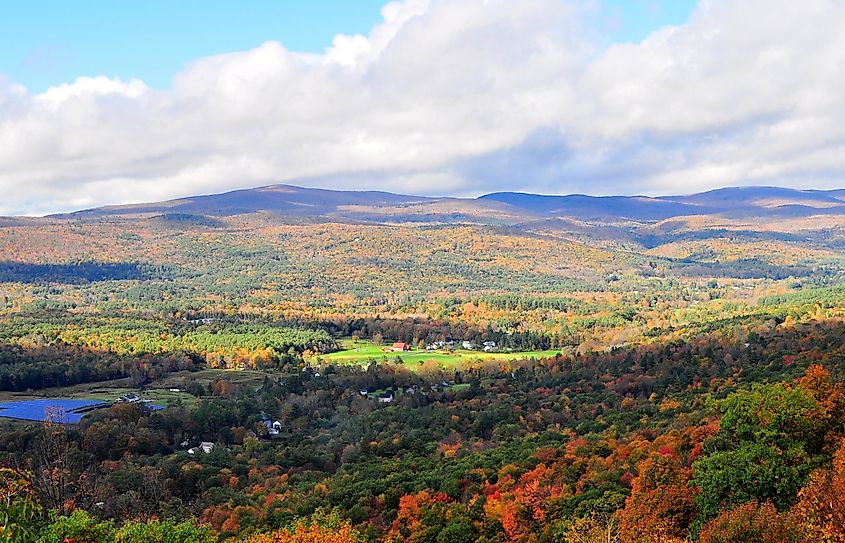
(661, 506)
(320, 528)
(821, 503)
(752, 523)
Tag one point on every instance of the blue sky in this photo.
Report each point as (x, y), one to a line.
(47, 42)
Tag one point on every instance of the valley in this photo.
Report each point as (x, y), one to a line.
(399, 368)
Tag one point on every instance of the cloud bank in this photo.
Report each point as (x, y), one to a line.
(456, 97)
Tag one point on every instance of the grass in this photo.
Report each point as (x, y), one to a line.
(361, 352)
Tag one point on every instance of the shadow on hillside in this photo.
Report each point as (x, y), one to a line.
(73, 274)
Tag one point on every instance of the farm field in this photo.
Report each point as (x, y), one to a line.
(361, 352)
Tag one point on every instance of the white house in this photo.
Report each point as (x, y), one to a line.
(205, 446)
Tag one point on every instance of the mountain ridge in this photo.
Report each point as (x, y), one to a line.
(292, 200)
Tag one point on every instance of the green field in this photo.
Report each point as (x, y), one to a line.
(361, 352)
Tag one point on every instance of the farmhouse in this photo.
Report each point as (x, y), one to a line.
(273, 427)
(385, 397)
(400, 346)
(205, 446)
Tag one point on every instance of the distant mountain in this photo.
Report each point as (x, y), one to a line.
(734, 201)
(281, 199)
(761, 197)
(499, 207)
(597, 207)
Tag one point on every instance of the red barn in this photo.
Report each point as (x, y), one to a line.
(399, 346)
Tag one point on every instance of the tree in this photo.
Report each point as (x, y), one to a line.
(320, 528)
(766, 446)
(821, 503)
(752, 523)
(78, 527)
(163, 532)
(661, 506)
(600, 528)
(20, 510)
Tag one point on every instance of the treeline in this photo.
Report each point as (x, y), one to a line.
(52, 355)
(419, 331)
(512, 302)
(79, 273)
(33, 368)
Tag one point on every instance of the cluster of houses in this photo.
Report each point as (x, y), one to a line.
(202, 321)
(274, 428)
(381, 397)
(387, 396)
(205, 447)
(486, 346)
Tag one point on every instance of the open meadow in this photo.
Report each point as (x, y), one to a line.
(361, 352)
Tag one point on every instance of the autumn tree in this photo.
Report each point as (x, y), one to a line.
(821, 503)
(20, 510)
(320, 528)
(661, 506)
(752, 523)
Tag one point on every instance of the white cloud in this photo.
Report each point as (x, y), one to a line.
(456, 97)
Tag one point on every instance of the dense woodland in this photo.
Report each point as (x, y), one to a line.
(698, 394)
(686, 439)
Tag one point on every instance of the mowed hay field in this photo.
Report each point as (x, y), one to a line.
(361, 352)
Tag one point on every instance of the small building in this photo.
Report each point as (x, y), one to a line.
(385, 397)
(205, 447)
(468, 345)
(364, 392)
(273, 427)
(400, 346)
(129, 398)
(489, 345)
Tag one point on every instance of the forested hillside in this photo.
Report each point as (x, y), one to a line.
(611, 377)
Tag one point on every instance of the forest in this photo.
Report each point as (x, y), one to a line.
(696, 393)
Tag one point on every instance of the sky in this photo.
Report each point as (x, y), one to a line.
(106, 102)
